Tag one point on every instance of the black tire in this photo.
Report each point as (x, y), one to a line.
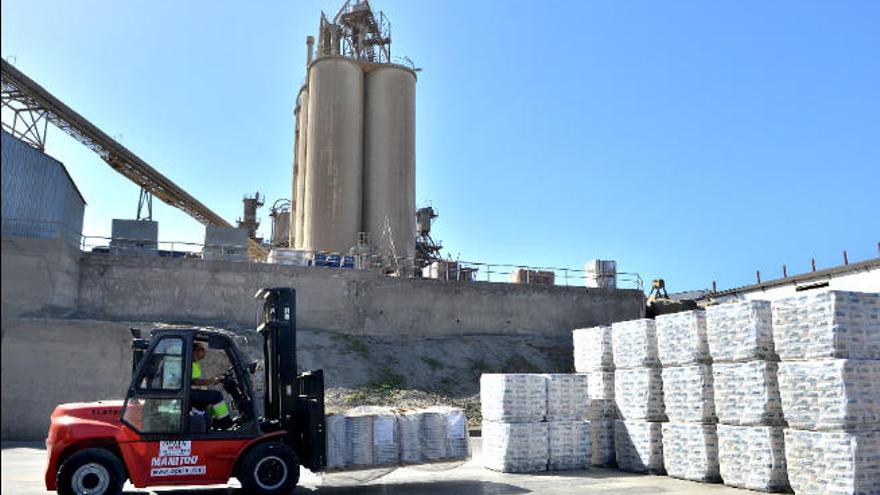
(269, 469)
(95, 471)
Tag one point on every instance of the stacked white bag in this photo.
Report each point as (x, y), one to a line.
(829, 381)
(515, 435)
(638, 393)
(750, 439)
(535, 422)
(593, 356)
(369, 437)
(690, 440)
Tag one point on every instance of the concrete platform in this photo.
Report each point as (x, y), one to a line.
(23, 464)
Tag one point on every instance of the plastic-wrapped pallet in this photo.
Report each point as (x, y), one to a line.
(569, 445)
(833, 324)
(359, 439)
(681, 338)
(831, 394)
(517, 397)
(602, 444)
(634, 344)
(386, 439)
(410, 424)
(592, 349)
(690, 451)
(688, 394)
(433, 435)
(638, 394)
(752, 457)
(600, 386)
(833, 462)
(740, 331)
(457, 446)
(515, 447)
(639, 446)
(336, 441)
(747, 393)
(567, 396)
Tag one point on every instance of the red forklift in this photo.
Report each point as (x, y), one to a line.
(160, 435)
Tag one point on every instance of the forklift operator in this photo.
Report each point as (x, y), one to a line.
(207, 400)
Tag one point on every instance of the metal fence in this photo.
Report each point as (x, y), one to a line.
(448, 269)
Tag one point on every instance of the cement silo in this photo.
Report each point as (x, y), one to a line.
(389, 160)
(299, 175)
(333, 194)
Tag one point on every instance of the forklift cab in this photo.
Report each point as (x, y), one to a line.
(168, 435)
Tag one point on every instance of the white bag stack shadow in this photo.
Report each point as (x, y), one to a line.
(690, 438)
(638, 393)
(829, 380)
(370, 437)
(535, 422)
(593, 356)
(751, 447)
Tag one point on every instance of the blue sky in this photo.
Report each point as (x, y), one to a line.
(689, 140)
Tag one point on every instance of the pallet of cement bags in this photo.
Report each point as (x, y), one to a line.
(515, 447)
(602, 443)
(681, 338)
(600, 386)
(434, 434)
(690, 451)
(634, 344)
(567, 396)
(833, 462)
(833, 324)
(688, 394)
(639, 446)
(516, 397)
(592, 349)
(753, 457)
(740, 331)
(569, 445)
(747, 393)
(372, 437)
(831, 394)
(638, 394)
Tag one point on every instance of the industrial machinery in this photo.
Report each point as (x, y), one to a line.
(427, 251)
(249, 220)
(280, 215)
(659, 302)
(162, 433)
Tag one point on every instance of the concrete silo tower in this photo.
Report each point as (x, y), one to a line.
(354, 159)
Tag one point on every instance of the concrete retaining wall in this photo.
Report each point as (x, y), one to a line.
(46, 362)
(38, 275)
(349, 301)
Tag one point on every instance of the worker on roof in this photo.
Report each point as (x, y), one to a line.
(205, 399)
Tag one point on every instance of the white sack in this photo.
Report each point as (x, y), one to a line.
(602, 444)
(740, 331)
(634, 344)
(690, 451)
(600, 386)
(638, 394)
(753, 457)
(569, 445)
(681, 338)
(688, 394)
(639, 446)
(832, 324)
(831, 394)
(747, 393)
(833, 463)
(518, 397)
(567, 396)
(592, 349)
(515, 447)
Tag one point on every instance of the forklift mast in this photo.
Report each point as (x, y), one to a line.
(293, 401)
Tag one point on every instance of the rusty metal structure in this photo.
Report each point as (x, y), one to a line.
(32, 108)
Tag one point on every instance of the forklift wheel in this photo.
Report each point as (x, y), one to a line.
(269, 468)
(92, 471)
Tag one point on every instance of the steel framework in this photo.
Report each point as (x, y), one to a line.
(33, 107)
